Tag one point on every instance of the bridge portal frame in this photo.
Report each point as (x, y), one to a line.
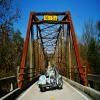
(33, 20)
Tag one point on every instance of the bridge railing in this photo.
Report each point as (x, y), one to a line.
(16, 92)
(94, 81)
(89, 91)
(7, 84)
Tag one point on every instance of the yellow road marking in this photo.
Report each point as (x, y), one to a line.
(52, 98)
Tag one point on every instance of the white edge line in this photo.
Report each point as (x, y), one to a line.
(77, 91)
(23, 94)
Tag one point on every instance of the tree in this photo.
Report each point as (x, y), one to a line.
(9, 12)
(93, 56)
(91, 53)
(8, 15)
(18, 45)
(98, 26)
(10, 54)
(8, 57)
(98, 31)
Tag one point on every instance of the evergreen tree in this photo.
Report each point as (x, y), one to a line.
(91, 47)
(93, 56)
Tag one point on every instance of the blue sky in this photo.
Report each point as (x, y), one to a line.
(81, 10)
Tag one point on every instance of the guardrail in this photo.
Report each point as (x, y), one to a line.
(7, 78)
(15, 93)
(94, 81)
(89, 91)
(93, 77)
(7, 84)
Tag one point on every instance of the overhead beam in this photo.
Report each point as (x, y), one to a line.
(49, 13)
(51, 22)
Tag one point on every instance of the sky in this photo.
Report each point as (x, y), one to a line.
(81, 11)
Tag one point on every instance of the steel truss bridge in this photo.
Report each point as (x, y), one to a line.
(51, 37)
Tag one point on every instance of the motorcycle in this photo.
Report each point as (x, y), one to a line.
(52, 79)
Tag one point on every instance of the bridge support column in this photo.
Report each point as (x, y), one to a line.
(69, 52)
(11, 87)
(31, 58)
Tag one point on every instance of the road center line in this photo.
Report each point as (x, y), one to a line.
(52, 98)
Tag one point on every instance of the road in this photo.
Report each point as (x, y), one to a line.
(67, 93)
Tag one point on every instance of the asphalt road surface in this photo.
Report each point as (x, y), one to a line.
(67, 93)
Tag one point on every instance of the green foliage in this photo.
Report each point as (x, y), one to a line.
(93, 56)
(90, 47)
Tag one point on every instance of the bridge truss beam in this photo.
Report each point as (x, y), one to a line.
(34, 20)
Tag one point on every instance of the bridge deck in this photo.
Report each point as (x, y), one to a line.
(67, 93)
